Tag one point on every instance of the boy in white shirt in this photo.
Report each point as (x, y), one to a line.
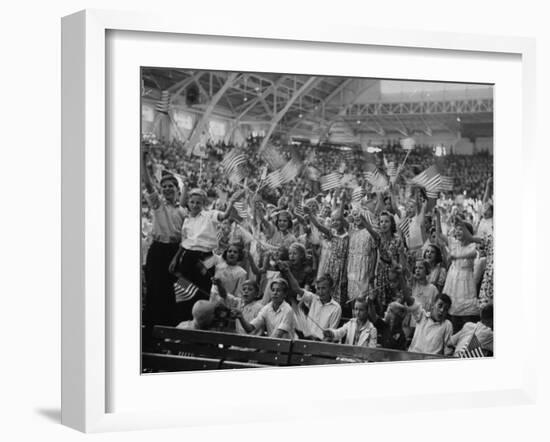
(359, 330)
(433, 330)
(276, 318)
(322, 311)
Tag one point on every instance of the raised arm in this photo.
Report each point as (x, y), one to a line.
(252, 264)
(370, 229)
(343, 201)
(230, 204)
(393, 197)
(325, 231)
(248, 327)
(183, 194)
(287, 274)
(438, 231)
(145, 173)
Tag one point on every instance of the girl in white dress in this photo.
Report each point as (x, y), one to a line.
(460, 284)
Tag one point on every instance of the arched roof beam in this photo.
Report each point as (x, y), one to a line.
(284, 110)
(199, 127)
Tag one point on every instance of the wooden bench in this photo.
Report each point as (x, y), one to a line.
(230, 350)
(185, 350)
(316, 352)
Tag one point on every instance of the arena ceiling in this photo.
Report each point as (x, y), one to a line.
(319, 105)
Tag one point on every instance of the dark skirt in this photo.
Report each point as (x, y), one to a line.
(159, 308)
(190, 267)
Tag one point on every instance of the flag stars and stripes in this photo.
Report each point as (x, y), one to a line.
(234, 166)
(162, 104)
(185, 290)
(241, 208)
(472, 350)
(404, 226)
(330, 181)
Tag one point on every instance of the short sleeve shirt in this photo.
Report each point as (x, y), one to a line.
(167, 219)
(321, 316)
(272, 320)
(200, 233)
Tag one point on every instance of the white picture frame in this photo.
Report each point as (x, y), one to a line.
(87, 356)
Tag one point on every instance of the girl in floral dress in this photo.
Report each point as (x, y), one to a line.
(334, 251)
(361, 256)
(280, 232)
(390, 253)
(486, 291)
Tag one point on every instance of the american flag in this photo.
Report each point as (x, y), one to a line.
(163, 103)
(404, 226)
(185, 290)
(370, 217)
(446, 183)
(283, 175)
(299, 209)
(290, 170)
(357, 194)
(349, 155)
(273, 157)
(330, 181)
(472, 350)
(241, 208)
(430, 179)
(274, 179)
(234, 165)
(431, 194)
(375, 178)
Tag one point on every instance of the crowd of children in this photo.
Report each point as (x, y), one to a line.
(297, 261)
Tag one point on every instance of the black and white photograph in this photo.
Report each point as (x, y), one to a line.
(299, 220)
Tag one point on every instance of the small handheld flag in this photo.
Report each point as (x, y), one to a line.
(185, 290)
(241, 208)
(162, 104)
(330, 181)
(357, 194)
(472, 350)
(234, 165)
(404, 226)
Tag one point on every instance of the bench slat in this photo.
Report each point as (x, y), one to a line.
(350, 351)
(297, 359)
(233, 364)
(233, 354)
(160, 362)
(210, 337)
